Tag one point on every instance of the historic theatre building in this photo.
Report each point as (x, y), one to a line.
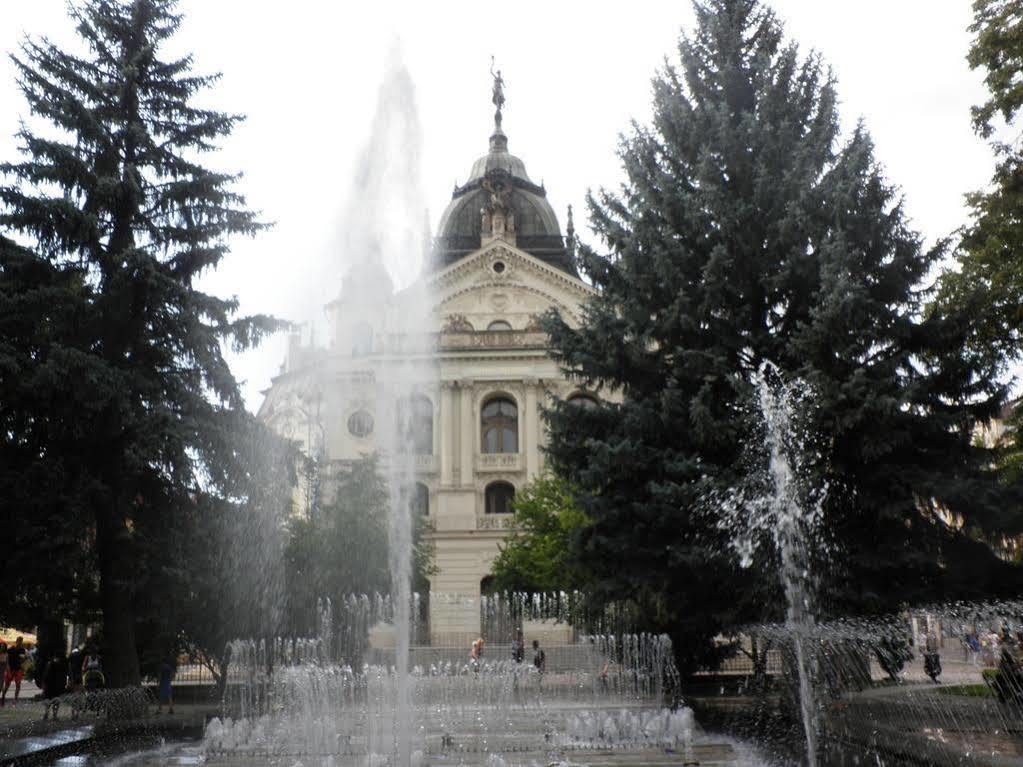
(499, 260)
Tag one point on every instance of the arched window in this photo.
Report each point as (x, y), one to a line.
(584, 400)
(499, 426)
(362, 340)
(487, 585)
(421, 500)
(498, 497)
(415, 425)
(499, 325)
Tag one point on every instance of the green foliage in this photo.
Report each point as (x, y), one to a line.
(218, 574)
(997, 49)
(537, 557)
(747, 230)
(342, 547)
(138, 410)
(988, 280)
(42, 364)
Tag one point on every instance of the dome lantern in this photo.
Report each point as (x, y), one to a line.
(499, 201)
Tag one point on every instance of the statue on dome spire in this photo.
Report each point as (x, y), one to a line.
(498, 93)
(570, 235)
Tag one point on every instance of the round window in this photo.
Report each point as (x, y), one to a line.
(499, 266)
(360, 424)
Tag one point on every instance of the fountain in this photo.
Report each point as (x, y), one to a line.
(848, 678)
(605, 692)
(774, 507)
(329, 697)
(610, 694)
(792, 522)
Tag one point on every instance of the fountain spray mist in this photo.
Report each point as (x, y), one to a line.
(382, 239)
(793, 522)
(775, 507)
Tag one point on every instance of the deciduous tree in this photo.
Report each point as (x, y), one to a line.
(988, 277)
(536, 558)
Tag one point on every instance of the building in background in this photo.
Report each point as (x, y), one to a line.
(498, 262)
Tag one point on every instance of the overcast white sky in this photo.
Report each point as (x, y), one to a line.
(306, 73)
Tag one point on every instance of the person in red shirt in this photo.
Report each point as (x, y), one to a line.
(15, 669)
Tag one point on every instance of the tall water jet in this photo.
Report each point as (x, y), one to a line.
(775, 508)
(382, 235)
(792, 524)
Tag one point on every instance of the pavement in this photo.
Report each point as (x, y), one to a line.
(24, 732)
(916, 717)
(954, 671)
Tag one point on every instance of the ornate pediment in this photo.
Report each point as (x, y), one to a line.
(501, 280)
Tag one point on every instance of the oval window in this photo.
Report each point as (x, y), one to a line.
(360, 424)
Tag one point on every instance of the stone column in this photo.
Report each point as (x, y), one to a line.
(531, 429)
(466, 436)
(447, 433)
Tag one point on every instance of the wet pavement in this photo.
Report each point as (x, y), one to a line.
(24, 732)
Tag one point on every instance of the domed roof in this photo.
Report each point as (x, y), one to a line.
(536, 228)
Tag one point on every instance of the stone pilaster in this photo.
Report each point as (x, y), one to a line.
(447, 433)
(466, 435)
(531, 428)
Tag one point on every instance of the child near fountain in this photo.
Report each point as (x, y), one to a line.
(476, 654)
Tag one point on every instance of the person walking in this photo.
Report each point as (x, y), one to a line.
(475, 653)
(3, 662)
(15, 671)
(518, 647)
(92, 670)
(539, 658)
(54, 682)
(972, 646)
(168, 669)
(932, 660)
(75, 660)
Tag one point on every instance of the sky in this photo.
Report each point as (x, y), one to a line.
(306, 74)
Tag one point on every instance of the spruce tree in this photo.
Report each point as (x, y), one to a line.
(42, 362)
(747, 230)
(113, 192)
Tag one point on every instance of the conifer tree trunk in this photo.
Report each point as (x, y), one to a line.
(119, 651)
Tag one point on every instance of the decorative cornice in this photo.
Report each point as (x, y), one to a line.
(517, 285)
